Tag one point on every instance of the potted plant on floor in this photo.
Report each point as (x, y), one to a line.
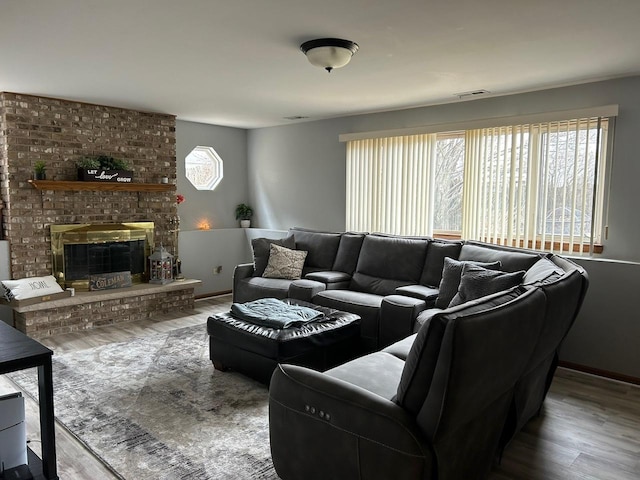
(40, 170)
(104, 168)
(244, 213)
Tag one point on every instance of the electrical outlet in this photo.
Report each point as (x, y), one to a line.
(217, 270)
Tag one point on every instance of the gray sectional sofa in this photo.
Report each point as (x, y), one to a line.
(459, 345)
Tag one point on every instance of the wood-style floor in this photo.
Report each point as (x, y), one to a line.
(589, 428)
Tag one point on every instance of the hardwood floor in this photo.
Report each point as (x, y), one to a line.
(589, 428)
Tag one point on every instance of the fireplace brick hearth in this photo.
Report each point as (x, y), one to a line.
(60, 132)
(95, 309)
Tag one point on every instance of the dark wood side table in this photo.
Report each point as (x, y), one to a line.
(18, 352)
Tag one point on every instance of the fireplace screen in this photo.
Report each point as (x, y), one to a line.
(81, 251)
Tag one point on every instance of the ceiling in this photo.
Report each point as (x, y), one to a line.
(238, 63)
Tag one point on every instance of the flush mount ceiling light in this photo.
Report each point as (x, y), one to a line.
(329, 53)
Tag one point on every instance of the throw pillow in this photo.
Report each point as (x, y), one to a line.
(451, 273)
(477, 282)
(284, 263)
(261, 251)
(30, 287)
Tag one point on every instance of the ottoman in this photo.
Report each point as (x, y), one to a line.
(255, 350)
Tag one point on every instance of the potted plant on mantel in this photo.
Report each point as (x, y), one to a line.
(244, 213)
(104, 168)
(40, 170)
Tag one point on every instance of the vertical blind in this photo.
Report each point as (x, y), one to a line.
(389, 184)
(538, 186)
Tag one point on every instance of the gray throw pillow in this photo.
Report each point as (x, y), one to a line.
(451, 274)
(284, 263)
(477, 282)
(261, 251)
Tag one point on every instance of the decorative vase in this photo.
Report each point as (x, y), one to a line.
(245, 223)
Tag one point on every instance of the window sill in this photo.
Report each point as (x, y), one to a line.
(537, 245)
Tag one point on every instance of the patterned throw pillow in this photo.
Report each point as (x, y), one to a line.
(284, 263)
(261, 251)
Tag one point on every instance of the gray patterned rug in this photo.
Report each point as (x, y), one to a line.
(154, 408)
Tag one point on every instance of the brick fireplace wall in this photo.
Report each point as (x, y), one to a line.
(60, 132)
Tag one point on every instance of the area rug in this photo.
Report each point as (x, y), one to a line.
(155, 408)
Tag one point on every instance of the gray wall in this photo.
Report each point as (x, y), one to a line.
(225, 244)
(217, 206)
(296, 176)
(297, 172)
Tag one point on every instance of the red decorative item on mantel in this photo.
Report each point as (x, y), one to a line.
(179, 198)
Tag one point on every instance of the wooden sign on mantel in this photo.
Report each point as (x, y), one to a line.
(101, 175)
(106, 281)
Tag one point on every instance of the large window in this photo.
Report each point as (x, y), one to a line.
(538, 185)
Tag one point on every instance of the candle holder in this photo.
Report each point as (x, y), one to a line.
(161, 266)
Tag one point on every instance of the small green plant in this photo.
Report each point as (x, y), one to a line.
(40, 167)
(89, 163)
(244, 212)
(105, 162)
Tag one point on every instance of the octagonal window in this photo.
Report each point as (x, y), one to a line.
(203, 168)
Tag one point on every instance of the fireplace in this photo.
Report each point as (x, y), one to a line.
(83, 251)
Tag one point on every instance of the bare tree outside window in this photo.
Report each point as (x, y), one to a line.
(449, 175)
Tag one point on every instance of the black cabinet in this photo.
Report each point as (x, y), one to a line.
(17, 352)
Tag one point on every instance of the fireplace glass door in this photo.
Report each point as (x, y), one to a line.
(83, 251)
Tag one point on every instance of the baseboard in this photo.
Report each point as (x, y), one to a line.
(600, 373)
(211, 294)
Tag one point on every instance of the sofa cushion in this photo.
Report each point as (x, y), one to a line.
(367, 305)
(284, 263)
(321, 247)
(451, 274)
(377, 372)
(401, 348)
(437, 250)
(261, 251)
(376, 285)
(479, 282)
(348, 252)
(512, 259)
(386, 257)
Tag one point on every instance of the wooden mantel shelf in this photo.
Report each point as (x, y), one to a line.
(101, 186)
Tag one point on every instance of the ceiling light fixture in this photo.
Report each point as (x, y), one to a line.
(329, 53)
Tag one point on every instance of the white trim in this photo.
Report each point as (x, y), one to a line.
(603, 111)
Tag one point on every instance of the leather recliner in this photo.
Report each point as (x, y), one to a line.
(438, 414)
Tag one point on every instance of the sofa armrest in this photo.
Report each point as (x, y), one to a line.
(363, 434)
(244, 270)
(305, 290)
(397, 318)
